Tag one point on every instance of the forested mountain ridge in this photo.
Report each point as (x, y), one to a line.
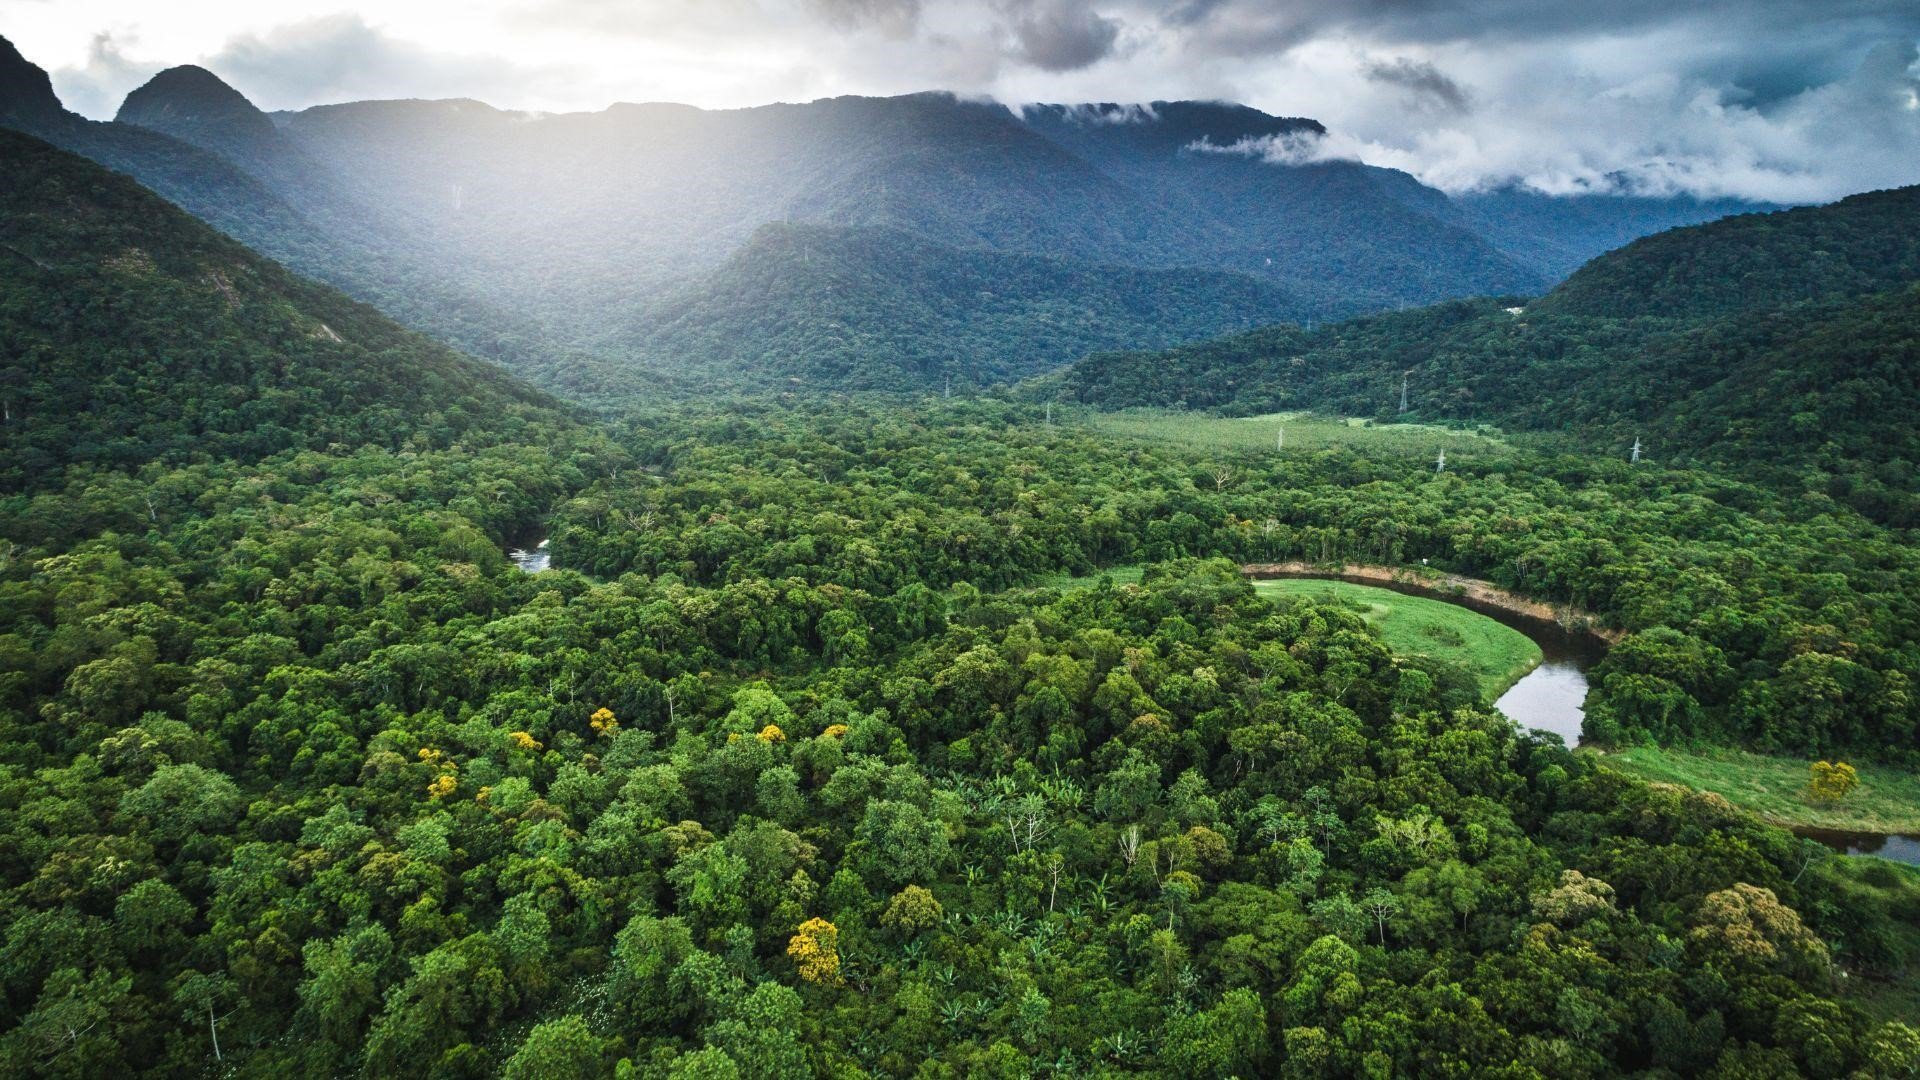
(1863, 244)
(820, 308)
(1787, 343)
(131, 332)
(560, 244)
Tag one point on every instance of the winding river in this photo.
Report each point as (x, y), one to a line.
(1552, 696)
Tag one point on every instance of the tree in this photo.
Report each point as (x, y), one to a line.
(563, 1049)
(70, 1031)
(1229, 1039)
(181, 801)
(1575, 900)
(1381, 905)
(762, 1027)
(904, 845)
(456, 993)
(201, 998)
(815, 948)
(342, 984)
(912, 910)
(1831, 782)
(1750, 926)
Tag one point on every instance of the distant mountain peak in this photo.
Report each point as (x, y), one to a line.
(188, 99)
(26, 94)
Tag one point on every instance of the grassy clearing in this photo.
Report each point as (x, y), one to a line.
(1887, 800)
(1496, 654)
(1121, 575)
(1304, 433)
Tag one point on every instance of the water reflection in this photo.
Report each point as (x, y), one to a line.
(1549, 698)
(1902, 849)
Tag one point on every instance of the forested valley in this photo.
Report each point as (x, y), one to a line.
(805, 758)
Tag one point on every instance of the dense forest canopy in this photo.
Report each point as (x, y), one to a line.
(786, 773)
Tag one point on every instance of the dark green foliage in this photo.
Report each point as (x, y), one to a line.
(1859, 245)
(316, 773)
(130, 332)
(810, 307)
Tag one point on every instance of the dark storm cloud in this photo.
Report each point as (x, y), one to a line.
(1428, 85)
(1266, 23)
(1061, 35)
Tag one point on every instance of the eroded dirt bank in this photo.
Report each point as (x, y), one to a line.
(1444, 587)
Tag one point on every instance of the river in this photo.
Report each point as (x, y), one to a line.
(531, 560)
(1552, 697)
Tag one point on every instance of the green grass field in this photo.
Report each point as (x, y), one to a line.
(1887, 800)
(1305, 433)
(1415, 625)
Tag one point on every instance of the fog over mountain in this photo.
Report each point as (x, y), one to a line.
(1773, 100)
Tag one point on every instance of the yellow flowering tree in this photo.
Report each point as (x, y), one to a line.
(523, 741)
(603, 722)
(816, 949)
(1831, 781)
(771, 734)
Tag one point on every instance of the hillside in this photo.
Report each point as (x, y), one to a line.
(131, 332)
(1863, 244)
(1787, 343)
(203, 147)
(829, 308)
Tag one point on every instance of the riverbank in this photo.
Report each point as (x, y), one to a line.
(1445, 587)
(1497, 655)
(1887, 800)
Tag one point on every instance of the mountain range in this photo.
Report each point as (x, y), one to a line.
(912, 240)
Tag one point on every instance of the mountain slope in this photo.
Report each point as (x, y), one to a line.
(882, 308)
(1863, 244)
(1784, 343)
(130, 332)
(201, 146)
(1375, 232)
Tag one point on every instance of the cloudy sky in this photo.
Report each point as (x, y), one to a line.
(1790, 100)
